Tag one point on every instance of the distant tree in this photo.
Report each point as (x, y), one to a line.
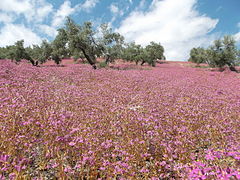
(144, 56)
(31, 52)
(222, 53)
(59, 46)
(132, 52)
(40, 53)
(3, 53)
(198, 55)
(77, 55)
(110, 43)
(18, 52)
(152, 53)
(46, 50)
(238, 58)
(9, 53)
(230, 52)
(215, 54)
(84, 40)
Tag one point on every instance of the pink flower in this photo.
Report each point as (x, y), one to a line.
(72, 143)
(209, 157)
(144, 170)
(102, 168)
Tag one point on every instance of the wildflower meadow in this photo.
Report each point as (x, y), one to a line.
(74, 122)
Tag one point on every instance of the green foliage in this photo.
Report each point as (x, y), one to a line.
(9, 52)
(76, 55)
(46, 51)
(222, 52)
(81, 39)
(59, 46)
(3, 53)
(154, 51)
(103, 64)
(35, 54)
(17, 52)
(56, 58)
(149, 54)
(110, 43)
(40, 54)
(60, 42)
(55, 50)
(132, 52)
(238, 58)
(198, 55)
(84, 40)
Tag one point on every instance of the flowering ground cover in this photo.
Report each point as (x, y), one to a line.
(73, 122)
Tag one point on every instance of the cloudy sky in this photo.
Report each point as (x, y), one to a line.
(178, 25)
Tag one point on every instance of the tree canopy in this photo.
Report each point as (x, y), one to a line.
(222, 53)
(198, 55)
(83, 41)
(149, 54)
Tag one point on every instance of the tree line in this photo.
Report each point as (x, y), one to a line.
(83, 41)
(222, 53)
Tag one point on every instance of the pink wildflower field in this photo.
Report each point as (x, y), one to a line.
(73, 122)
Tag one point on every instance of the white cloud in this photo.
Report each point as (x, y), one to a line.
(40, 10)
(15, 6)
(48, 30)
(142, 4)
(89, 4)
(237, 37)
(43, 12)
(64, 11)
(32, 14)
(11, 33)
(33, 10)
(115, 10)
(6, 18)
(175, 24)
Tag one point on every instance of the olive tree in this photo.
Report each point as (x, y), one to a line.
(152, 53)
(149, 54)
(59, 46)
(132, 52)
(17, 52)
(198, 55)
(3, 52)
(81, 39)
(222, 53)
(40, 53)
(110, 43)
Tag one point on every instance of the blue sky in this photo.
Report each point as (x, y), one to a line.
(178, 25)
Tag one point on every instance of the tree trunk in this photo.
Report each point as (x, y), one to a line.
(32, 62)
(91, 61)
(142, 63)
(107, 59)
(232, 68)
